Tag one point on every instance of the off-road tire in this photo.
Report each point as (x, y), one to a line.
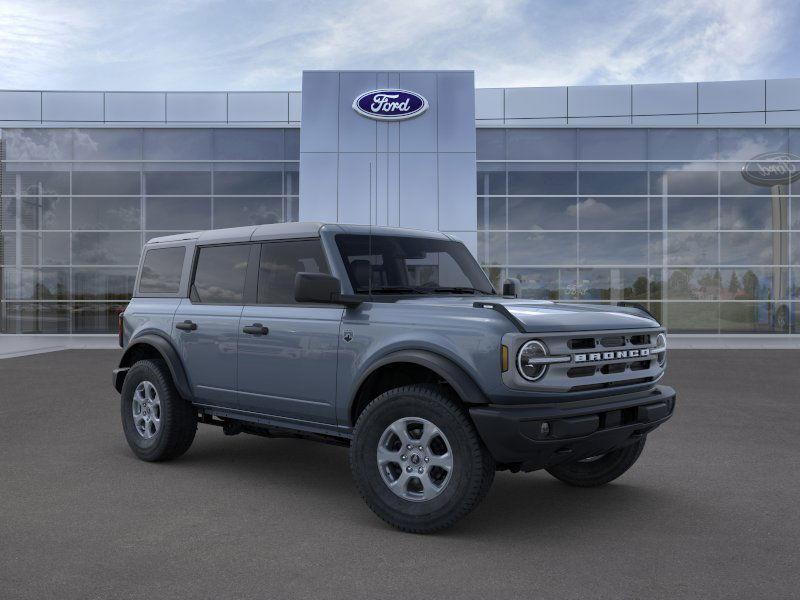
(473, 466)
(178, 418)
(602, 470)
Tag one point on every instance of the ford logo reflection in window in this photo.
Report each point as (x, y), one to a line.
(390, 105)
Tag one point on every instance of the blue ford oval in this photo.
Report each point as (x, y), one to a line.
(390, 105)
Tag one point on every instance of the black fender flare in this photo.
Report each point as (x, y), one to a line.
(461, 382)
(167, 351)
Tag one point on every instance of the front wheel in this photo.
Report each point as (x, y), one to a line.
(601, 469)
(418, 461)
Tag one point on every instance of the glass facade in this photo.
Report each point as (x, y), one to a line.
(663, 217)
(78, 204)
(659, 216)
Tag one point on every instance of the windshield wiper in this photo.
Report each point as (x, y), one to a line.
(391, 289)
(460, 290)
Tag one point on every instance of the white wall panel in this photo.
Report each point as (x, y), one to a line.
(132, 107)
(72, 106)
(536, 103)
(20, 106)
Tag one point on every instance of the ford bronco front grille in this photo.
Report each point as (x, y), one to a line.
(594, 361)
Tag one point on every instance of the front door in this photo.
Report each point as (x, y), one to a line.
(288, 351)
(206, 325)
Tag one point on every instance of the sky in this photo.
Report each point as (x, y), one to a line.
(260, 45)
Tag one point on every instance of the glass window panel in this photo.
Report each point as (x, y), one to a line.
(178, 144)
(103, 248)
(612, 144)
(8, 213)
(492, 213)
(523, 181)
(36, 317)
(693, 284)
(794, 257)
(682, 144)
(106, 213)
(491, 179)
(613, 182)
(497, 276)
(541, 144)
(492, 248)
(37, 183)
(754, 213)
(683, 183)
(44, 212)
(490, 144)
(692, 317)
(292, 211)
(177, 182)
(38, 144)
(613, 284)
(104, 284)
(692, 248)
(554, 249)
(291, 143)
(656, 213)
(733, 182)
(118, 183)
(749, 248)
(46, 248)
(547, 284)
(753, 283)
(235, 212)
(612, 213)
(794, 284)
(36, 284)
(8, 248)
(251, 183)
(692, 213)
(655, 248)
(746, 317)
(96, 317)
(107, 144)
(745, 144)
(281, 262)
(161, 270)
(178, 214)
(656, 285)
(248, 144)
(291, 179)
(542, 213)
(613, 249)
(220, 273)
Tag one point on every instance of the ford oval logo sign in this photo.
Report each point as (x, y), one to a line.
(390, 105)
(772, 168)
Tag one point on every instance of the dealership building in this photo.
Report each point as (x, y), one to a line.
(678, 196)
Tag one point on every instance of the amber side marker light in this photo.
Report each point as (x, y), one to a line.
(504, 353)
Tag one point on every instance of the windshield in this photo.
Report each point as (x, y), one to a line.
(384, 264)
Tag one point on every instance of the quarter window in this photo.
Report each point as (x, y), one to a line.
(220, 274)
(280, 262)
(161, 271)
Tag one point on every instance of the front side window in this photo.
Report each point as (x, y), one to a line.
(220, 274)
(161, 270)
(382, 264)
(281, 262)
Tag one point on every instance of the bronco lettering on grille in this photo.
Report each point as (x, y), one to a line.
(616, 355)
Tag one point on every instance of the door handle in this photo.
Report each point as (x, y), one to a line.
(186, 326)
(255, 329)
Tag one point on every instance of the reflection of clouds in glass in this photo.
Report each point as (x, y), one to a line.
(692, 248)
(37, 144)
(749, 248)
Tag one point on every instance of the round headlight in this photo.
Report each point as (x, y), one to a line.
(527, 364)
(661, 348)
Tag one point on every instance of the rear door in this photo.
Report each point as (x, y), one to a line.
(207, 323)
(288, 351)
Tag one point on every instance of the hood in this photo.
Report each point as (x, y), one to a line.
(544, 316)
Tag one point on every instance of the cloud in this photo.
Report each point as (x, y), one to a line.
(211, 44)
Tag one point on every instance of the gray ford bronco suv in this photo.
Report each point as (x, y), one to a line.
(392, 342)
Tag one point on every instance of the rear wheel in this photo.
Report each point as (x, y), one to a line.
(601, 469)
(417, 459)
(158, 423)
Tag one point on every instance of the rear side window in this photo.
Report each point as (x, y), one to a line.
(220, 274)
(280, 262)
(161, 270)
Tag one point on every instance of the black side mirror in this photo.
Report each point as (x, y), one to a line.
(511, 287)
(321, 288)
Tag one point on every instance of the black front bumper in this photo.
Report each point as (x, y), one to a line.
(535, 436)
